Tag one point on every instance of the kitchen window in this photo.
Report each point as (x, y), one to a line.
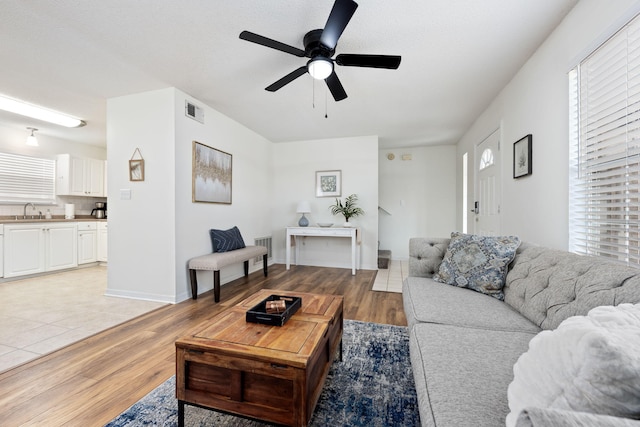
(604, 122)
(26, 179)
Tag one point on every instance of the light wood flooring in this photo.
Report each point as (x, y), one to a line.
(92, 381)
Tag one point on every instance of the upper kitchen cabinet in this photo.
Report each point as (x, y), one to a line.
(79, 176)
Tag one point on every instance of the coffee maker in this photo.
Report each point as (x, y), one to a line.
(100, 212)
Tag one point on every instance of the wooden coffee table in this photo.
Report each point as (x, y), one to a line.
(270, 373)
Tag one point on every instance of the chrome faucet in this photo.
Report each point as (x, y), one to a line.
(24, 216)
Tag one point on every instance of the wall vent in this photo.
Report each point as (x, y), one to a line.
(266, 242)
(193, 111)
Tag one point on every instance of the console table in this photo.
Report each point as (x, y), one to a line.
(344, 232)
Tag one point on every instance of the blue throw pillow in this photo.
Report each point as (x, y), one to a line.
(478, 262)
(226, 240)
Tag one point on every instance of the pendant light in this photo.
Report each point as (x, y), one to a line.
(31, 139)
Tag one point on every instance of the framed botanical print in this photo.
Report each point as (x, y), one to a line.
(522, 157)
(328, 183)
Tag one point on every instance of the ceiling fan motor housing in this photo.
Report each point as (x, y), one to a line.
(313, 47)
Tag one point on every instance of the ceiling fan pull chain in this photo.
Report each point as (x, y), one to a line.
(313, 92)
(325, 103)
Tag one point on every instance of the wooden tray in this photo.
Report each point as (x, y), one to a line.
(258, 313)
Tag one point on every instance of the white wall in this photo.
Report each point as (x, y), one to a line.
(418, 194)
(251, 196)
(294, 168)
(152, 235)
(536, 102)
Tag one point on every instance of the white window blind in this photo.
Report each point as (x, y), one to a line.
(26, 179)
(605, 149)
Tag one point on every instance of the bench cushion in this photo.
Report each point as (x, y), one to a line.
(217, 260)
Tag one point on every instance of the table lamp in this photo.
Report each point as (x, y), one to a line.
(303, 208)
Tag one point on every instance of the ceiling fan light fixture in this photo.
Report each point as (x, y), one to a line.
(320, 67)
(35, 112)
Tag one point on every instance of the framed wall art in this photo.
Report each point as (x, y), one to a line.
(522, 157)
(136, 167)
(211, 175)
(328, 183)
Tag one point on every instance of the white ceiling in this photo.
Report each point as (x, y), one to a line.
(73, 55)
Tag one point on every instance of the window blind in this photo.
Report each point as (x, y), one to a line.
(604, 119)
(26, 179)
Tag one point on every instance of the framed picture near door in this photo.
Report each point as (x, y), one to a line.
(211, 175)
(522, 157)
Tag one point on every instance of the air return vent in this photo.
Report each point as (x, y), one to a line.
(193, 111)
(266, 242)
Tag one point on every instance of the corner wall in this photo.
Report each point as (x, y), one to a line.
(153, 234)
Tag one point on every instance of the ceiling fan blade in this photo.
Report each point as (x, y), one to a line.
(339, 17)
(373, 61)
(333, 82)
(286, 79)
(273, 44)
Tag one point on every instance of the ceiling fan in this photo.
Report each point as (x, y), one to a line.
(319, 46)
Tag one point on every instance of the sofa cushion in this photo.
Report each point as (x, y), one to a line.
(428, 301)
(478, 262)
(548, 285)
(226, 240)
(462, 374)
(589, 363)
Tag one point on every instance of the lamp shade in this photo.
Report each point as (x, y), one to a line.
(303, 207)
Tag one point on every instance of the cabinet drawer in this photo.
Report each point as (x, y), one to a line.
(87, 225)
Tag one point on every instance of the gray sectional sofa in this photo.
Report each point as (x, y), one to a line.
(464, 344)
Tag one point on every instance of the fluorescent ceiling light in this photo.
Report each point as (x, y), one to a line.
(19, 107)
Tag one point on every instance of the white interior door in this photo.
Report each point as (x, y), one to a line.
(488, 186)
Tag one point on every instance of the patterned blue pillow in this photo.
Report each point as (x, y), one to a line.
(226, 240)
(478, 262)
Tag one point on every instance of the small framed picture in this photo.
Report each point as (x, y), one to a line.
(136, 170)
(522, 158)
(328, 183)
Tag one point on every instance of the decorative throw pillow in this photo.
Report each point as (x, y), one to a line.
(226, 240)
(478, 262)
(589, 363)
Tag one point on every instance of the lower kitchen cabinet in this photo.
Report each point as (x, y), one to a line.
(87, 242)
(39, 247)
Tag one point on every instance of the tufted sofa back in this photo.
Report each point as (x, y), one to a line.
(548, 285)
(545, 285)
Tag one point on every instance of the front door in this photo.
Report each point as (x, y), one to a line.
(487, 167)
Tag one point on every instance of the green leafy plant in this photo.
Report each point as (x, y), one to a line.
(348, 209)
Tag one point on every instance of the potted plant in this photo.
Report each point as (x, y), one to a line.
(348, 209)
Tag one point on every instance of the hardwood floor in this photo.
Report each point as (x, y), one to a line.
(90, 382)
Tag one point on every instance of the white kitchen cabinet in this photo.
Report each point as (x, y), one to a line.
(39, 247)
(87, 242)
(79, 176)
(102, 241)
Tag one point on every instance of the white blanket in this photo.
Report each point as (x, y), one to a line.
(589, 363)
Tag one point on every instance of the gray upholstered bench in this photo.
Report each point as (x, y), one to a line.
(215, 261)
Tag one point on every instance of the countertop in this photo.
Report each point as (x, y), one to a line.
(11, 219)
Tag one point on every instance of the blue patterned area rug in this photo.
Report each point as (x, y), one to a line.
(372, 386)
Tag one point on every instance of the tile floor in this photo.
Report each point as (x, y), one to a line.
(45, 313)
(390, 279)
